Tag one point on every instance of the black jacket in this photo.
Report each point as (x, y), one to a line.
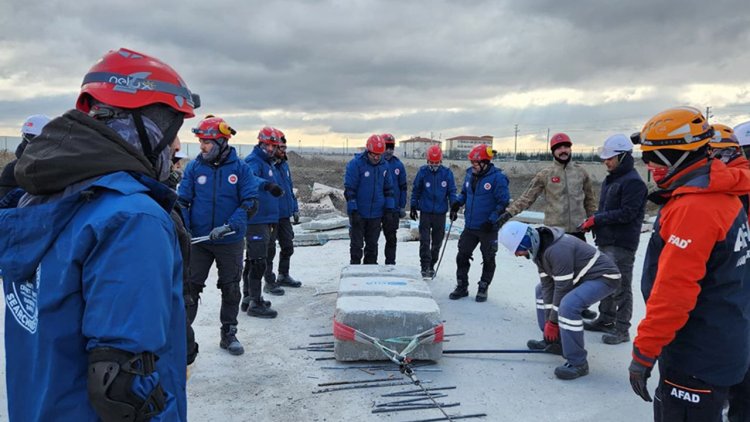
(618, 220)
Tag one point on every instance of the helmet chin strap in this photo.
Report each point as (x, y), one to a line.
(666, 161)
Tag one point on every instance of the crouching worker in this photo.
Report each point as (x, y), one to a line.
(574, 275)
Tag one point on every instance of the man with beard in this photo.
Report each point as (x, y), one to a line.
(617, 230)
(218, 195)
(95, 322)
(568, 194)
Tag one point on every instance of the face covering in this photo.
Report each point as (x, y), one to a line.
(125, 127)
(388, 154)
(658, 173)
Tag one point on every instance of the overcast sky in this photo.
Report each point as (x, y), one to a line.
(324, 71)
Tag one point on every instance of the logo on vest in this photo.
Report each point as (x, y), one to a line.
(232, 179)
(367, 174)
(743, 238)
(202, 180)
(397, 171)
(487, 186)
(444, 184)
(22, 302)
(685, 395)
(427, 184)
(555, 179)
(680, 243)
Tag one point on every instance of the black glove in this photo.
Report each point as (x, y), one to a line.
(638, 376)
(219, 232)
(504, 217)
(251, 208)
(488, 227)
(454, 211)
(274, 189)
(295, 218)
(414, 214)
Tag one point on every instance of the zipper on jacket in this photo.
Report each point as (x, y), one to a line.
(213, 203)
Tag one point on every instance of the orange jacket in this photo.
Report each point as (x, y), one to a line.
(697, 305)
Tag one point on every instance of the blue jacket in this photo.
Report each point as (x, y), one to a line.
(261, 165)
(398, 176)
(89, 271)
(619, 218)
(485, 196)
(213, 196)
(288, 202)
(368, 188)
(433, 191)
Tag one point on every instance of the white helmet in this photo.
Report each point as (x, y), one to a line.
(34, 124)
(742, 132)
(615, 145)
(512, 234)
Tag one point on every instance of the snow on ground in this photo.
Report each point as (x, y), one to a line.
(270, 382)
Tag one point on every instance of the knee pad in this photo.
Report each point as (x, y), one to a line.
(111, 375)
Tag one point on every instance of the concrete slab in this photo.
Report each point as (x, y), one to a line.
(385, 302)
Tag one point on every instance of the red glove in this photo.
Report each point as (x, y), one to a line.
(551, 332)
(587, 224)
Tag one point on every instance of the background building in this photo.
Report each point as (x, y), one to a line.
(416, 147)
(458, 147)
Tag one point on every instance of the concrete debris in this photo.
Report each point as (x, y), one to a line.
(320, 191)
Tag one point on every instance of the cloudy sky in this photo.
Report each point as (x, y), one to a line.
(325, 71)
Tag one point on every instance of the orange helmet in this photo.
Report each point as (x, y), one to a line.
(679, 128)
(375, 144)
(723, 137)
(213, 128)
(128, 79)
(481, 153)
(434, 154)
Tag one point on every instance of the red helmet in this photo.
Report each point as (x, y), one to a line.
(375, 144)
(269, 135)
(481, 153)
(127, 79)
(559, 139)
(213, 128)
(434, 154)
(281, 136)
(388, 139)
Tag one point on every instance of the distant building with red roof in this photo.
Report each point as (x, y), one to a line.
(458, 147)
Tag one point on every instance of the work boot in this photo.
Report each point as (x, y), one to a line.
(229, 341)
(461, 290)
(552, 348)
(260, 310)
(588, 314)
(287, 281)
(599, 325)
(570, 372)
(431, 273)
(246, 303)
(482, 292)
(425, 273)
(273, 288)
(616, 337)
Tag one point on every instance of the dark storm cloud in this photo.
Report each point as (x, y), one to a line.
(427, 66)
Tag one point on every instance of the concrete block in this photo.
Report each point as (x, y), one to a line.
(327, 224)
(385, 302)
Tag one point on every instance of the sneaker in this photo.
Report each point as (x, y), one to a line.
(230, 343)
(570, 372)
(246, 303)
(598, 325)
(260, 310)
(287, 281)
(588, 314)
(551, 348)
(273, 289)
(616, 337)
(459, 292)
(482, 292)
